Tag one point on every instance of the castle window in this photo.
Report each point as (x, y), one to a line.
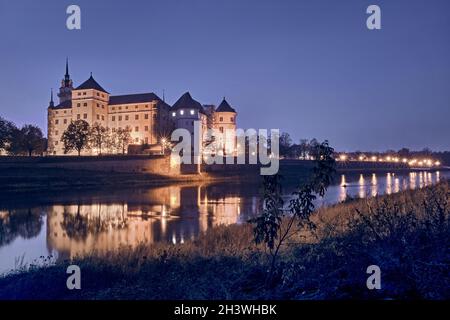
(174, 114)
(137, 139)
(192, 112)
(78, 117)
(120, 108)
(221, 129)
(146, 128)
(120, 118)
(79, 93)
(113, 108)
(85, 116)
(56, 132)
(182, 112)
(146, 116)
(98, 105)
(146, 105)
(113, 118)
(232, 119)
(56, 121)
(136, 129)
(98, 94)
(146, 140)
(65, 121)
(98, 117)
(103, 117)
(85, 104)
(136, 117)
(56, 112)
(84, 93)
(126, 107)
(78, 104)
(127, 117)
(135, 106)
(221, 119)
(154, 116)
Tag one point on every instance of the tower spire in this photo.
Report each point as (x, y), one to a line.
(67, 76)
(65, 91)
(51, 104)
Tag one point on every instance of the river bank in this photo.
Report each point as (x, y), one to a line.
(405, 234)
(22, 175)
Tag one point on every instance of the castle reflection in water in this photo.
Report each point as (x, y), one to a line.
(174, 214)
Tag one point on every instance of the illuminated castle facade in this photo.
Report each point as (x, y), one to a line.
(148, 118)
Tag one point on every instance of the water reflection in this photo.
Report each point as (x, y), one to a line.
(172, 214)
(67, 225)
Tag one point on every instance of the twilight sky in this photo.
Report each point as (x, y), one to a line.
(308, 67)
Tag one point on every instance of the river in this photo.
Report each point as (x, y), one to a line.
(66, 224)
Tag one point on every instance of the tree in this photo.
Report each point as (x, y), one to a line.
(303, 148)
(26, 140)
(285, 143)
(6, 130)
(277, 224)
(76, 136)
(32, 139)
(123, 138)
(98, 137)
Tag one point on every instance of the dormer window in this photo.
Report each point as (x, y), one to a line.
(182, 112)
(192, 112)
(174, 114)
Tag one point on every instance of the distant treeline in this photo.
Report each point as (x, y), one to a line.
(305, 147)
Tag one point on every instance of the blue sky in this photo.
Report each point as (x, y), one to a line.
(308, 67)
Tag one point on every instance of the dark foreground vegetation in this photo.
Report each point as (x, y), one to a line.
(407, 235)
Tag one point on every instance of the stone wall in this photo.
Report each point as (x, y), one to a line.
(127, 164)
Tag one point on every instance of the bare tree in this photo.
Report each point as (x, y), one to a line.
(123, 139)
(98, 136)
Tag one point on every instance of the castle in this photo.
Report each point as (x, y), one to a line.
(148, 118)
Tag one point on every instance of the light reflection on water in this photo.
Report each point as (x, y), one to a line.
(71, 224)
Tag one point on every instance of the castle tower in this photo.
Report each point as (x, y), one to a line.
(225, 122)
(65, 91)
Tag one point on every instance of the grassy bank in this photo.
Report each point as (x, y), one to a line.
(26, 179)
(407, 235)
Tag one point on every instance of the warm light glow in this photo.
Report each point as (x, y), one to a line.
(343, 157)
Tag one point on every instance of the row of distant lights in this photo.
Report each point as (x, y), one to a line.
(411, 162)
(192, 112)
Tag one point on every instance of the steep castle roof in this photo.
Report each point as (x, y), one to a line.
(225, 107)
(91, 84)
(187, 102)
